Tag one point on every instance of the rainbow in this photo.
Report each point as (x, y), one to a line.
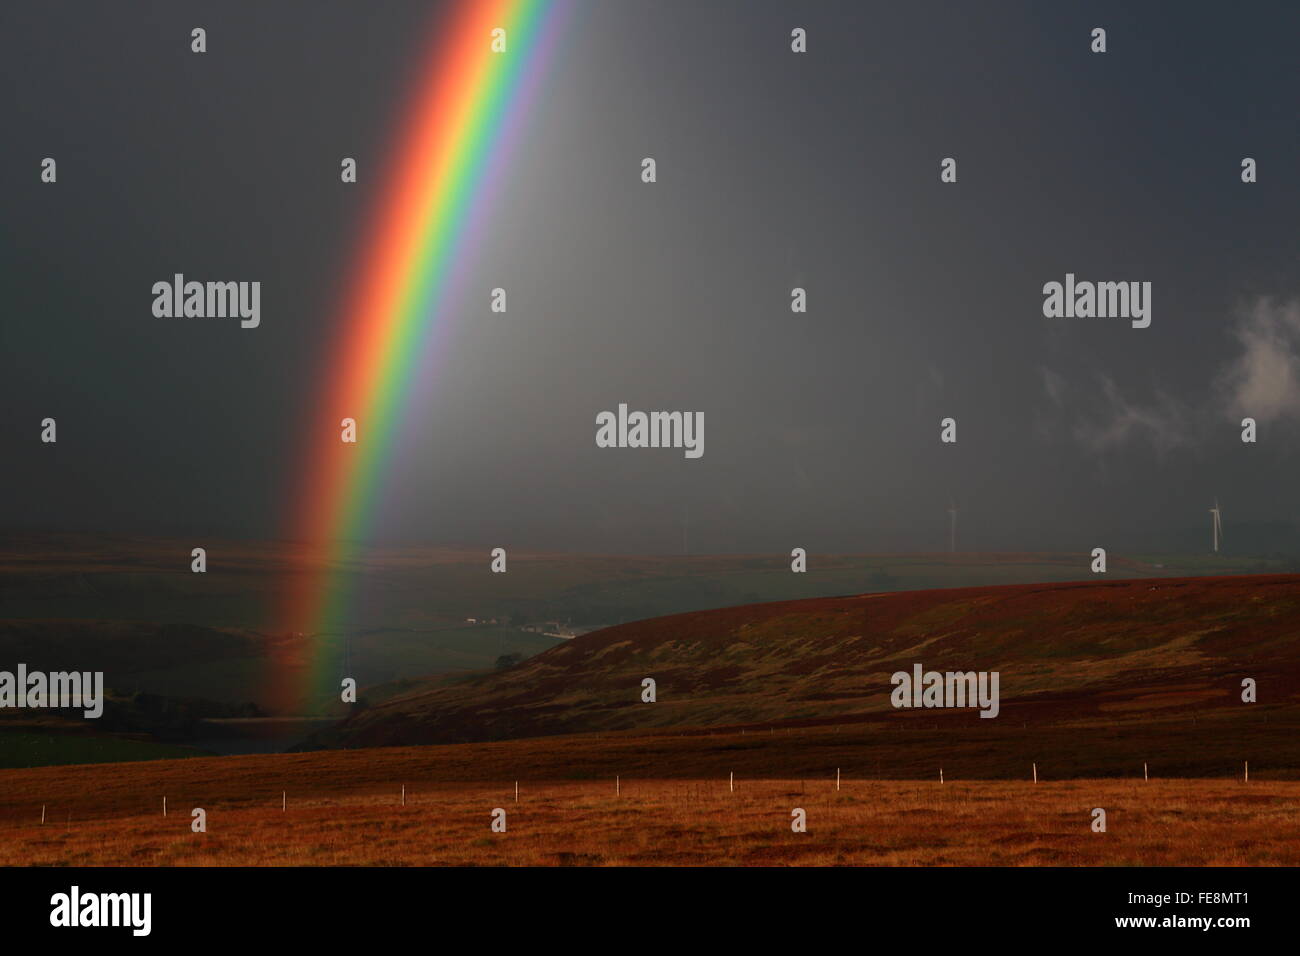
(455, 133)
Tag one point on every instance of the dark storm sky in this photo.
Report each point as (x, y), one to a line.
(775, 170)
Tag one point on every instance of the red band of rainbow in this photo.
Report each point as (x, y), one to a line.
(458, 131)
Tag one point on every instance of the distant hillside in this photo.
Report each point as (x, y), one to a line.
(1112, 652)
(132, 607)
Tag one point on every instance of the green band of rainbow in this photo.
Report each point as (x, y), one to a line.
(465, 111)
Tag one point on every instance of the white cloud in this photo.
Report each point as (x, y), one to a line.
(1162, 423)
(1263, 382)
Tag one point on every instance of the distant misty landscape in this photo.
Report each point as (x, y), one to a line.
(187, 656)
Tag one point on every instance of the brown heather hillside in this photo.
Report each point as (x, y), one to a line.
(1142, 660)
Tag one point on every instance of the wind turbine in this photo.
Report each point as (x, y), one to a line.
(1217, 524)
(952, 527)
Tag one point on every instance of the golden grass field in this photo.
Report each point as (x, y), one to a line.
(344, 808)
(701, 823)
